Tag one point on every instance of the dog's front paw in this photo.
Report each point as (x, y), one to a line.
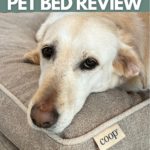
(32, 57)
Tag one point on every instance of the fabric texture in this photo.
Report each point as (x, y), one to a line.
(21, 79)
(5, 144)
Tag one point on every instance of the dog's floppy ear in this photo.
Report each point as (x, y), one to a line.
(127, 64)
(32, 57)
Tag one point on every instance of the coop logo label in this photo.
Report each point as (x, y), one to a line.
(74, 5)
(109, 137)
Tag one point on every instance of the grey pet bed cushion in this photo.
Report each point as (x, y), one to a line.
(19, 81)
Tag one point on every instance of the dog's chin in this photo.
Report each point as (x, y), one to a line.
(57, 128)
(63, 122)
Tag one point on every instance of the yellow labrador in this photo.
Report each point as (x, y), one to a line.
(82, 53)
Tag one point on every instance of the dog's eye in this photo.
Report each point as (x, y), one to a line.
(48, 51)
(88, 64)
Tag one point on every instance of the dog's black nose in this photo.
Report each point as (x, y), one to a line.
(44, 117)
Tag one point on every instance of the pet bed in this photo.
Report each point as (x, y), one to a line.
(19, 81)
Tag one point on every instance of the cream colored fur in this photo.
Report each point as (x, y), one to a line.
(116, 40)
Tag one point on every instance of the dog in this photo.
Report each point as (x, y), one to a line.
(84, 53)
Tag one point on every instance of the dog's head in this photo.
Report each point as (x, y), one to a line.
(79, 55)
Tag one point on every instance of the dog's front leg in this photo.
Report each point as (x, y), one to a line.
(33, 56)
